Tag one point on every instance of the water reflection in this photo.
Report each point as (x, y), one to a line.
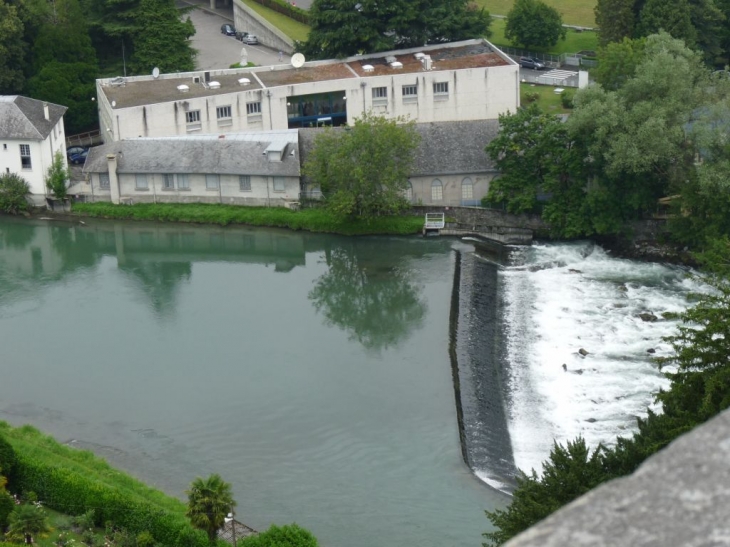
(369, 294)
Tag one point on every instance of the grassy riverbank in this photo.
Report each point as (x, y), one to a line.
(313, 220)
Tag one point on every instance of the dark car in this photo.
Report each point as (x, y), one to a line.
(228, 30)
(78, 157)
(531, 62)
(241, 35)
(73, 150)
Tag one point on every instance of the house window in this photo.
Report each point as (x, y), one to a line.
(380, 95)
(279, 184)
(437, 190)
(192, 117)
(441, 88)
(467, 189)
(410, 92)
(253, 109)
(212, 182)
(168, 182)
(183, 181)
(104, 181)
(409, 191)
(223, 112)
(244, 182)
(25, 156)
(140, 181)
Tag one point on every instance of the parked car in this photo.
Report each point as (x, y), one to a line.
(241, 35)
(228, 30)
(73, 150)
(531, 62)
(78, 157)
(251, 39)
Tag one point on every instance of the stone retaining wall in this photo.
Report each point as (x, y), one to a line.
(470, 217)
(248, 20)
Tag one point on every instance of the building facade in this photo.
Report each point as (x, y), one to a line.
(462, 81)
(31, 132)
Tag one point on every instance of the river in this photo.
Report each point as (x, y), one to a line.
(317, 373)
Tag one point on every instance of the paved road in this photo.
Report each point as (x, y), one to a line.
(215, 50)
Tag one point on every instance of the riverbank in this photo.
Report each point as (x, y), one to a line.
(312, 220)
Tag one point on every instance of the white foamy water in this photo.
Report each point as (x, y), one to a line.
(560, 298)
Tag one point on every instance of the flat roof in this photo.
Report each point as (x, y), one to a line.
(142, 90)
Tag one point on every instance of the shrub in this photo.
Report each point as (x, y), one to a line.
(566, 99)
(145, 539)
(531, 96)
(291, 535)
(7, 458)
(7, 504)
(58, 176)
(14, 191)
(85, 521)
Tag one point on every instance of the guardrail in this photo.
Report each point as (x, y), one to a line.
(90, 138)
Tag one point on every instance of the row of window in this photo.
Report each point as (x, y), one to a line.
(410, 91)
(223, 113)
(181, 181)
(25, 162)
(437, 190)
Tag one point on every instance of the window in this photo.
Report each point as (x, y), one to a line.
(223, 112)
(192, 117)
(409, 191)
(104, 180)
(212, 182)
(467, 189)
(253, 109)
(244, 182)
(441, 88)
(279, 184)
(183, 181)
(380, 94)
(140, 181)
(437, 190)
(168, 182)
(25, 156)
(410, 91)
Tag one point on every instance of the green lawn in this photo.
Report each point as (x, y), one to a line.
(548, 102)
(573, 43)
(574, 12)
(293, 29)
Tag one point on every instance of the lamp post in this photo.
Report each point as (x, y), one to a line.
(231, 516)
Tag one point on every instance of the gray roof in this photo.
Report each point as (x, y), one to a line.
(446, 148)
(230, 155)
(23, 118)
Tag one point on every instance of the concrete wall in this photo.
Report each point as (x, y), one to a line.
(472, 216)
(245, 19)
(451, 189)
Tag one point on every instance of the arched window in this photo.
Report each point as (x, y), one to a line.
(467, 189)
(409, 191)
(437, 190)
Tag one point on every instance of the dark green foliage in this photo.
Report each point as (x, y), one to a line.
(566, 99)
(209, 501)
(12, 49)
(290, 535)
(313, 220)
(534, 24)
(615, 20)
(14, 191)
(158, 43)
(7, 504)
(617, 62)
(570, 472)
(7, 457)
(672, 16)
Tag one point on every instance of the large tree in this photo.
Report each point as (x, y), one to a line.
(617, 62)
(27, 521)
(534, 24)
(209, 501)
(671, 16)
(615, 20)
(363, 170)
(12, 50)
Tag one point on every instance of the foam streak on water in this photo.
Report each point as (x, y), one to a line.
(560, 298)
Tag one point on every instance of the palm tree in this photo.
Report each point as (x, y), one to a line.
(209, 502)
(26, 521)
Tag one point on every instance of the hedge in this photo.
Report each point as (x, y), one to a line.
(285, 8)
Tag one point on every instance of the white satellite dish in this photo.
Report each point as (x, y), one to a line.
(114, 103)
(155, 73)
(297, 60)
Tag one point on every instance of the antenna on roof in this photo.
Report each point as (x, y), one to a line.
(297, 60)
(155, 73)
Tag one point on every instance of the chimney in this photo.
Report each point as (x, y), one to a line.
(111, 162)
(46, 114)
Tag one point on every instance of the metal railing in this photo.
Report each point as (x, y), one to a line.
(90, 138)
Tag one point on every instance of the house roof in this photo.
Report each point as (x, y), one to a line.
(24, 118)
(229, 154)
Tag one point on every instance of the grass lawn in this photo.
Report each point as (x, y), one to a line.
(293, 29)
(573, 43)
(574, 12)
(549, 101)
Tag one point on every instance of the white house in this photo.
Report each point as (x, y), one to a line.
(31, 132)
(460, 81)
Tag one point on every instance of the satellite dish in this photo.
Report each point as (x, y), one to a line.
(114, 103)
(297, 60)
(155, 73)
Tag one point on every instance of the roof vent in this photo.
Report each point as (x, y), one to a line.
(368, 68)
(396, 64)
(243, 81)
(390, 59)
(419, 55)
(196, 79)
(214, 85)
(426, 62)
(182, 88)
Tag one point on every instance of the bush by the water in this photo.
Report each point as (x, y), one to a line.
(291, 535)
(14, 191)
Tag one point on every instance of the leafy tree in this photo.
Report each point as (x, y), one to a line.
(27, 521)
(617, 62)
(671, 16)
(58, 176)
(14, 191)
(615, 20)
(159, 44)
(532, 23)
(363, 170)
(12, 50)
(8, 458)
(7, 504)
(209, 502)
(710, 23)
(290, 535)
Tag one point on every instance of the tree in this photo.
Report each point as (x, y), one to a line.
(209, 502)
(617, 62)
(26, 521)
(671, 16)
(14, 191)
(12, 50)
(58, 176)
(615, 20)
(532, 23)
(159, 44)
(290, 535)
(363, 170)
